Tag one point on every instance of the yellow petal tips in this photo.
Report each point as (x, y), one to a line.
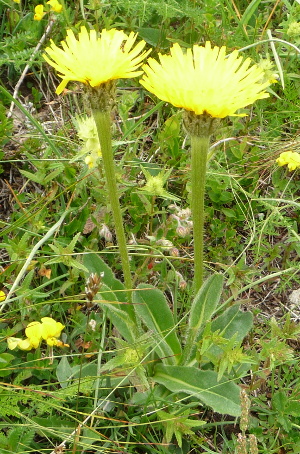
(204, 80)
(95, 60)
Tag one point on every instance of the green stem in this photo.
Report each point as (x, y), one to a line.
(200, 146)
(103, 123)
(99, 364)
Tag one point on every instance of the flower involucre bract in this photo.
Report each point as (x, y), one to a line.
(203, 80)
(95, 60)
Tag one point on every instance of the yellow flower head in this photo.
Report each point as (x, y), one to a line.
(203, 80)
(289, 158)
(17, 1)
(95, 60)
(2, 296)
(55, 6)
(39, 12)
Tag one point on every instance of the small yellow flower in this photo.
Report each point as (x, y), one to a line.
(39, 12)
(17, 1)
(34, 333)
(2, 296)
(13, 342)
(204, 80)
(91, 160)
(23, 344)
(268, 69)
(95, 60)
(289, 158)
(55, 6)
(31, 265)
(87, 132)
(51, 330)
(26, 344)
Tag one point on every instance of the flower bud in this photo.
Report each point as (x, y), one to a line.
(174, 252)
(182, 231)
(106, 233)
(93, 284)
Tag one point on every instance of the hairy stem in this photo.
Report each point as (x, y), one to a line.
(103, 123)
(200, 145)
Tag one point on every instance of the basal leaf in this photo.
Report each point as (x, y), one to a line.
(152, 307)
(203, 307)
(233, 321)
(95, 264)
(222, 396)
(117, 313)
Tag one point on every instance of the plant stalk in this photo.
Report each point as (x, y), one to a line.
(199, 146)
(103, 123)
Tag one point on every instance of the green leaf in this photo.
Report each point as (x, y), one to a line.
(152, 307)
(203, 307)
(6, 364)
(229, 212)
(178, 425)
(222, 396)
(5, 359)
(279, 401)
(63, 372)
(293, 408)
(117, 313)
(53, 174)
(153, 36)
(37, 178)
(233, 322)
(95, 264)
(249, 12)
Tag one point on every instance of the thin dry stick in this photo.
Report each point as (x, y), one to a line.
(16, 91)
(238, 15)
(270, 17)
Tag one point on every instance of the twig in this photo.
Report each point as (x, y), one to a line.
(16, 91)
